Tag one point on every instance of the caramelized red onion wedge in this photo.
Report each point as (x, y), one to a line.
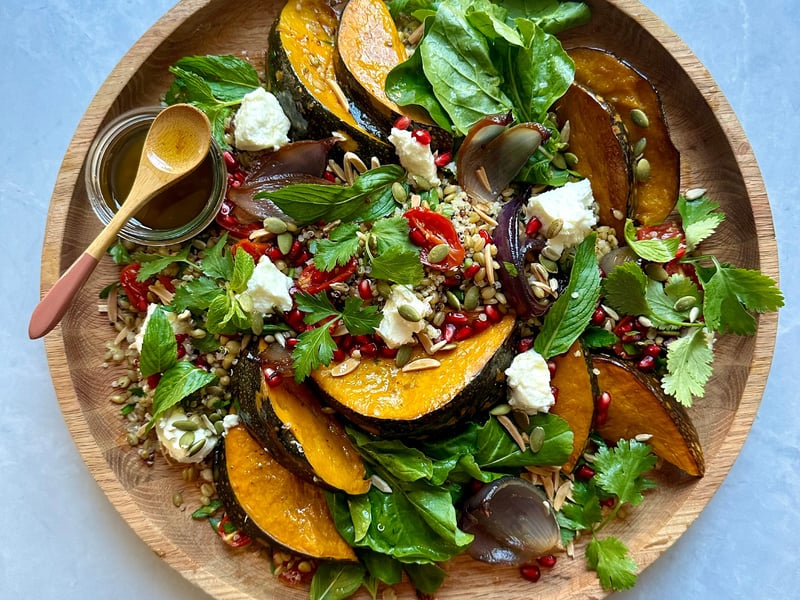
(513, 247)
(492, 154)
(296, 162)
(512, 522)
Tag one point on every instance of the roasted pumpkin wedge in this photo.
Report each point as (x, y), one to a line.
(290, 422)
(598, 137)
(301, 74)
(639, 406)
(272, 504)
(627, 90)
(392, 402)
(368, 46)
(576, 393)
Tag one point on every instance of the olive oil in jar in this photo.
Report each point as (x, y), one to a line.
(170, 208)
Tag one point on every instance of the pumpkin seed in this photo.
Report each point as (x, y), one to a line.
(246, 301)
(639, 146)
(196, 447)
(409, 313)
(275, 225)
(571, 159)
(403, 355)
(285, 241)
(185, 425)
(384, 289)
(399, 192)
(656, 271)
(438, 253)
(522, 419)
(177, 499)
(684, 303)
(536, 439)
(549, 265)
(471, 298)
(559, 162)
(453, 301)
(639, 118)
(421, 364)
(643, 170)
(555, 227)
(186, 440)
(695, 194)
(500, 409)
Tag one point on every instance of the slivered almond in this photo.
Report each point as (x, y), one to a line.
(426, 342)
(513, 432)
(561, 495)
(421, 364)
(348, 365)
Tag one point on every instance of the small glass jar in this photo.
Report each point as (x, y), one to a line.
(178, 213)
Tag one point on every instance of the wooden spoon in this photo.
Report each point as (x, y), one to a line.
(176, 144)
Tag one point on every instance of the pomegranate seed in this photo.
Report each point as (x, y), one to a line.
(449, 332)
(292, 342)
(524, 344)
(417, 237)
(443, 159)
(482, 323)
(624, 326)
(653, 350)
(632, 336)
(533, 226)
(423, 136)
(554, 391)
(387, 352)
(600, 418)
(274, 253)
(362, 339)
(646, 363)
(329, 176)
(603, 401)
(494, 315)
(152, 380)
(275, 379)
(530, 572)
(551, 366)
(369, 350)
(463, 333)
(456, 318)
(295, 319)
(295, 250)
(453, 281)
(584, 473)
(471, 270)
(181, 351)
(476, 485)
(402, 123)
(339, 355)
(230, 160)
(304, 257)
(365, 289)
(608, 502)
(599, 316)
(548, 561)
(485, 235)
(346, 342)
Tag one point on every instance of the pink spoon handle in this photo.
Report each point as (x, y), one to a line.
(52, 307)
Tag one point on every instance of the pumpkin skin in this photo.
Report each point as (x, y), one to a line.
(384, 400)
(599, 139)
(301, 75)
(289, 421)
(626, 89)
(272, 504)
(640, 406)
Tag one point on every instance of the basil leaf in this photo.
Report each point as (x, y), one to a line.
(159, 347)
(181, 380)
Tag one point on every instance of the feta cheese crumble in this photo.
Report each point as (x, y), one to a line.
(394, 329)
(415, 158)
(268, 288)
(260, 122)
(528, 380)
(170, 437)
(573, 203)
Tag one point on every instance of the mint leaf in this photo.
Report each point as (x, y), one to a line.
(226, 315)
(336, 581)
(624, 289)
(688, 366)
(609, 557)
(159, 347)
(181, 380)
(619, 471)
(196, 294)
(218, 262)
(659, 251)
(399, 265)
(598, 337)
(152, 264)
(699, 219)
(314, 348)
(243, 267)
(342, 244)
(570, 314)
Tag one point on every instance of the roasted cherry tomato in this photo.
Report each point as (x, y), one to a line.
(227, 220)
(136, 291)
(254, 249)
(664, 231)
(430, 229)
(229, 532)
(313, 281)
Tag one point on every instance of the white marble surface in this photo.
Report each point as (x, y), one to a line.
(61, 539)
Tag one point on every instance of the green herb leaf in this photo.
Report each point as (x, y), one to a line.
(243, 267)
(314, 348)
(689, 361)
(620, 470)
(153, 264)
(119, 253)
(196, 294)
(624, 289)
(342, 244)
(699, 219)
(317, 307)
(204, 512)
(583, 510)
(392, 233)
(159, 349)
(609, 557)
(226, 315)
(598, 337)
(570, 314)
(660, 251)
(661, 301)
(336, 581)
(427, 578)
(218, 262)
(399, 265)
(510, 268)
(358, 318)
(181, 380)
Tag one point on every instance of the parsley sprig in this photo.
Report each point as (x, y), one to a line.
(619, 474)
(315, 346)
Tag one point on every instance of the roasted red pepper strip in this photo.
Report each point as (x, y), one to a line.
(429, 229)
(136, 291)
(313, 281)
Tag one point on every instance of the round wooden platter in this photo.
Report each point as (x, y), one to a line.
(715, 155)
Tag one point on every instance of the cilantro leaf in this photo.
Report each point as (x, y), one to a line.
(196, 294)
(583, 510)
(342, 244)
(731, 293)
(119, 253)
(152, 264)
(698, 219)
(159, 349)
(624, 289)
(619, 471)
(178, 382)
(398, 265)
(570, 314)
(660, 251)
(243, 267)
(609, 557)
(661, 304)
(688, 366)
(314, 348)
(318, 306)
(218, 262)
(358, 319)
(392, 232)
